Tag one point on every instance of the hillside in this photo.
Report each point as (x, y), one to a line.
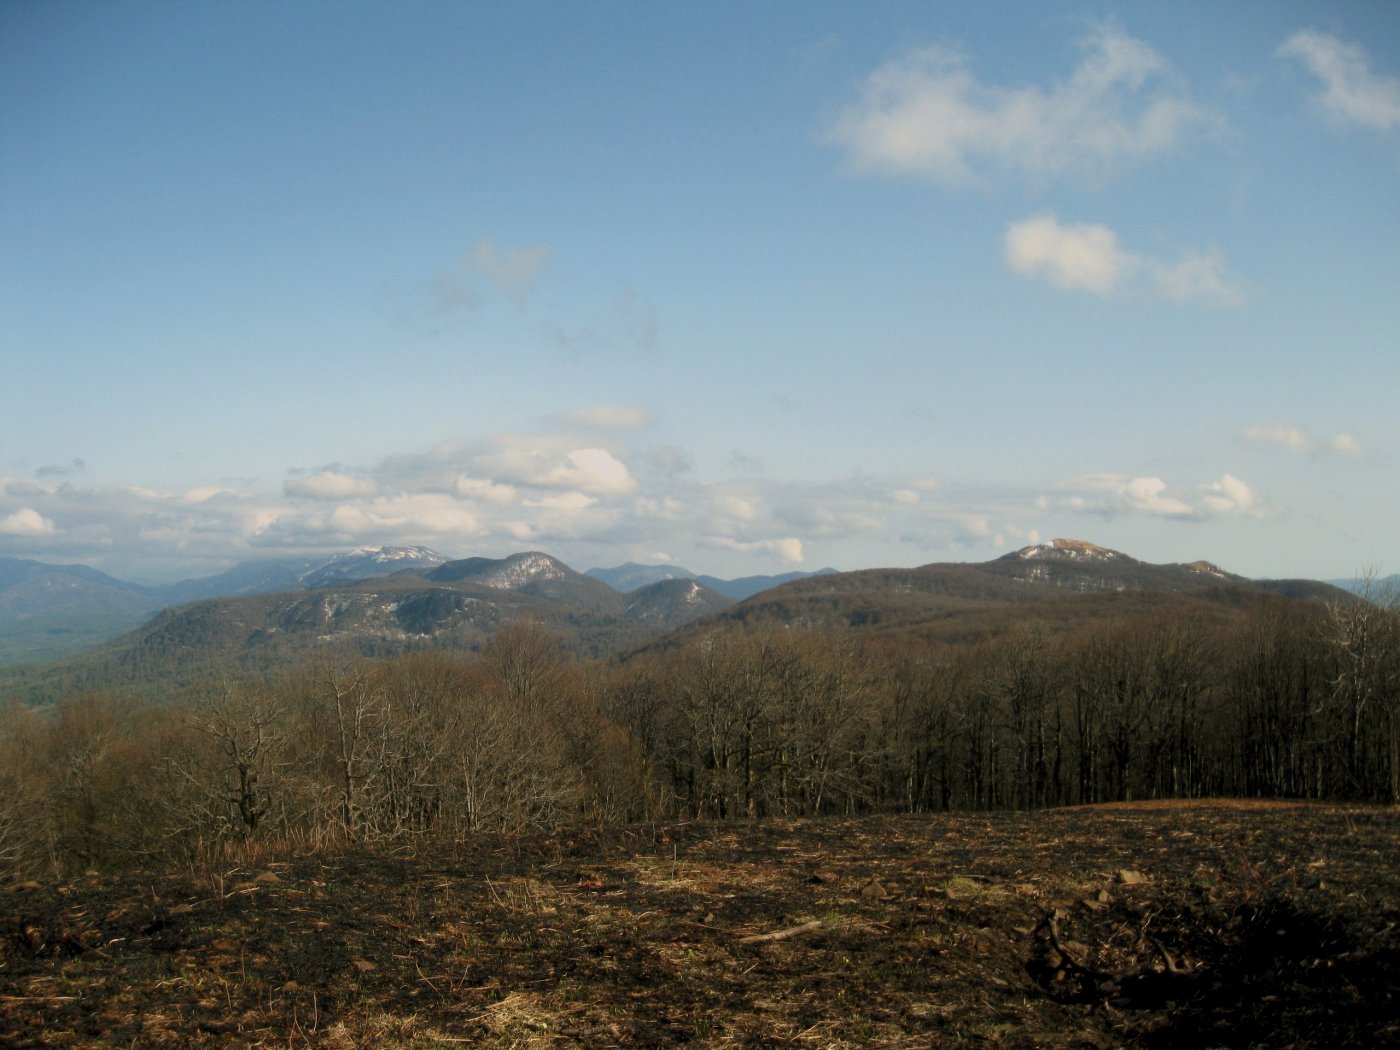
(48, 611)
(1062, 585)
(455, 606)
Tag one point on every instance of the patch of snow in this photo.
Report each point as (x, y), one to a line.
(521, 570)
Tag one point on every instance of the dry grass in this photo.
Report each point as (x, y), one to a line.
(932, 932)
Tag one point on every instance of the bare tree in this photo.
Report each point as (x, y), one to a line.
(236, 759)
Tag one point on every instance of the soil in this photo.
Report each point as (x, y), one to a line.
(1217, 924)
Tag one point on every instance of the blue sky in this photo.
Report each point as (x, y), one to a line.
(747, 287)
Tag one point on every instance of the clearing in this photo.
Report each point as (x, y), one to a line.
(1218, 924)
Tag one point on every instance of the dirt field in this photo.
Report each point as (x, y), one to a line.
(1204, 925)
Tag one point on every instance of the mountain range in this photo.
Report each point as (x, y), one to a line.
(386, 600)
(1061, 585)
(631, 576)
(48, 611)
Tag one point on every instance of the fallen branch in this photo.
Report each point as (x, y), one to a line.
(782, 935)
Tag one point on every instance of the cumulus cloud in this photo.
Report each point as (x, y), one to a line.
(470, 488)
(925, 113)
(1086, 257)
(420, 515)
(788, 549)
(557, 491)
(1112, 494)
(1227, 497)
(26, 522)
(593, 470)
(1296, 439)
(1082, 258)
(1352, 91)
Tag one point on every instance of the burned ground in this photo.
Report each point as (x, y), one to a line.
(1160, 925)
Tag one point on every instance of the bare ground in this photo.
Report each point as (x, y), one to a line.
(1217, 924)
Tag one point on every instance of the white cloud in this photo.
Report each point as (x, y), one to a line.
(593, 470)
(926, 114)
(1227, 497)
(27, 522)
(610, 417)
(1086, 257)
(204, 493)
(569, 502)
(1352, 91)
(1284, 435)
(417, 516)
(551, 461)
(1346, 445)
(1082, 257)
(1295, 439)
(788, 549)
(1197, 279)
(328, 485)
(481, 489)
(1111, 494)
(735, 506)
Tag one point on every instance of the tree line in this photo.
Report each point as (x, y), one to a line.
(1289, 699)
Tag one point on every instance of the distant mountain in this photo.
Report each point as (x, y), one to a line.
(1381, 586)
(667, 604)
(1062, 584)
(50, 610)
(631, 576)
(368, 563)
(386, 599)
(456, 605)
(269, 575)
(250, 577)
(748, 586)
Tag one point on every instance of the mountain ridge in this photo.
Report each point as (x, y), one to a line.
(48, 611)
(460, 603)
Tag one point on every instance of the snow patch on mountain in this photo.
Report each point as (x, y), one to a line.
(520, 570)
(1066, 549)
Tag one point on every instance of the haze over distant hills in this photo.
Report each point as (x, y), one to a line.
(47, 611)
(631, 577)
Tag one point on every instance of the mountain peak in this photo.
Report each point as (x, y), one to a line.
(390, 554)
(1066, 550)
(368, 562)
(504, 574)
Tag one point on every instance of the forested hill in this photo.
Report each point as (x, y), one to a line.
(455, 606)
(1061, 585)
